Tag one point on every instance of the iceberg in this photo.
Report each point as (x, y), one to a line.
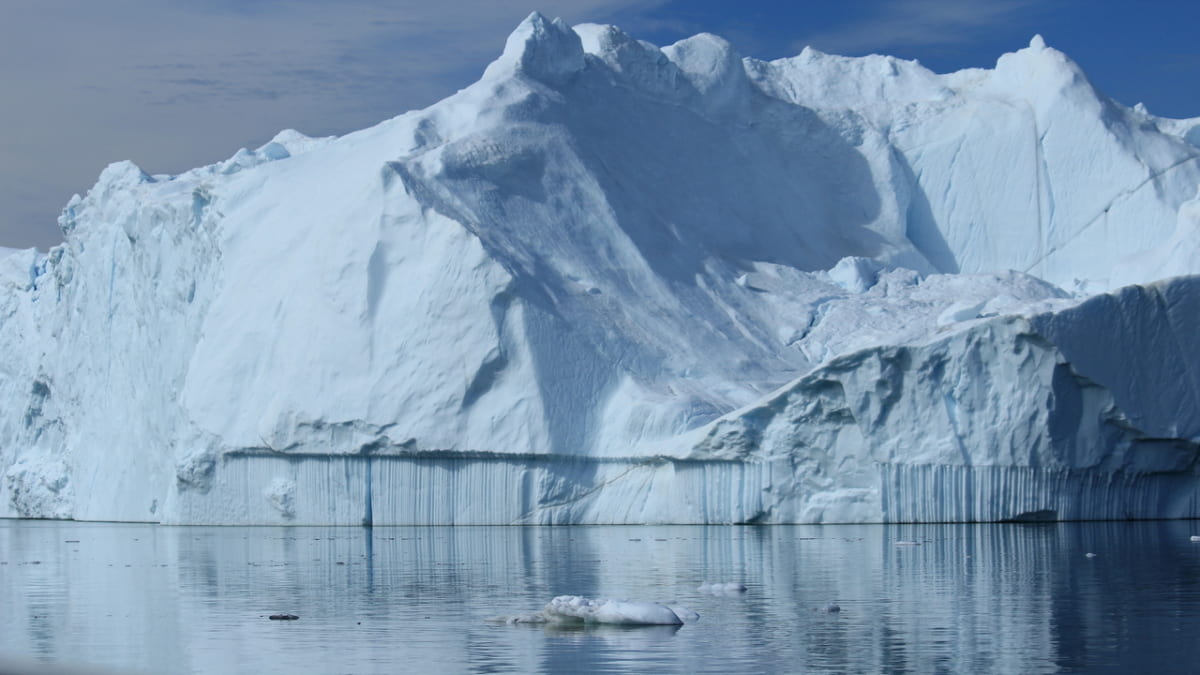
(616, 283)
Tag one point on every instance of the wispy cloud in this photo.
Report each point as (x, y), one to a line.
(917, 24)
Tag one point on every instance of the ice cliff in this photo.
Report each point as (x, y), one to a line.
(613, 283)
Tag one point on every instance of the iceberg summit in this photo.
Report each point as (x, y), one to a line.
(616, 283)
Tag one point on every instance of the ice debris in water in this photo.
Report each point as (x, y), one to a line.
(1195, 538)
(725, 588)
(578, 609)
(1089, 555)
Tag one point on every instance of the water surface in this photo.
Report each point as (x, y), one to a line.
(965, 598)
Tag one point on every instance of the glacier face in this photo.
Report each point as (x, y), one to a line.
(612, 283)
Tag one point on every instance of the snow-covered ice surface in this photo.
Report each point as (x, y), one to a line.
(612, 283)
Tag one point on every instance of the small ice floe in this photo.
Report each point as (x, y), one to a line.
(725, 588)
(576, 609)
(908, 543)
(1089, 555)
(568, 608)
(1195, 537)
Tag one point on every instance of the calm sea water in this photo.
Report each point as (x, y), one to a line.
(967, 599)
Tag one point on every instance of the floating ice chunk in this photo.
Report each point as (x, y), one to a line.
(1089, 555)
(1195, 538)
(908, 543)
(576, 608)
(726, 588)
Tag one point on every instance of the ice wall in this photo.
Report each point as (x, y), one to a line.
(1082, 413)
(1004, 418)
(616, 283)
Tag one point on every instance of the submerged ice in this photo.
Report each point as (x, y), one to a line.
(613, 283)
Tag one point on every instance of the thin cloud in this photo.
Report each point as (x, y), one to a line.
(918, 23)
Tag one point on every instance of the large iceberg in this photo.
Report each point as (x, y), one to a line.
(613, 283)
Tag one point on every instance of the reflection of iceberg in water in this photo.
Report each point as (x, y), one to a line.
(985, 590)
(970, 598)
(645, 634)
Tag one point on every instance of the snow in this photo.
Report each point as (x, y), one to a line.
(613, 283)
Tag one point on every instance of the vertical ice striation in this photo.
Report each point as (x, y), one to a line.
(1008, 418)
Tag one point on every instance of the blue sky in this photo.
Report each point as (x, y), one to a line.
(173, 84)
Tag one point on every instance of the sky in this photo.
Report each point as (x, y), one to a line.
(174, 84)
